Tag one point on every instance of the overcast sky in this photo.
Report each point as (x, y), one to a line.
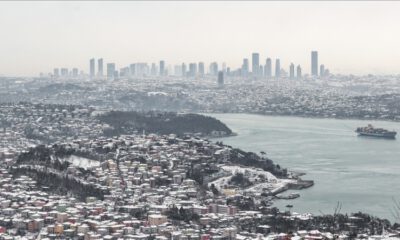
(351, 37)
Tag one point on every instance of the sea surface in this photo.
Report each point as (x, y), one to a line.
(361, 173)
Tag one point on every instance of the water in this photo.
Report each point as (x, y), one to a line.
(361, 173)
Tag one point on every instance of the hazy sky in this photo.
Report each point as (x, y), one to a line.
(351, 37)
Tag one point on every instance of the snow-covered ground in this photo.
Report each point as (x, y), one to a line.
(261, 179)
(251, 173)
(82, 162)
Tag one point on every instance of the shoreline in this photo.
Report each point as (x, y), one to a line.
(303, 116)
(257, 122)
(233, 134)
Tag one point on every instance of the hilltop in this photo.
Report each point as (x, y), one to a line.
(163, 123)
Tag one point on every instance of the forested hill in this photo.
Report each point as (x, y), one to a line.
(162, 123)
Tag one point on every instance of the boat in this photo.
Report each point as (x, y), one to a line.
(371, 131)
(290, 196)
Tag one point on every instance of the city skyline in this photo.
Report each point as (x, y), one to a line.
(139, 69)
(66, 34)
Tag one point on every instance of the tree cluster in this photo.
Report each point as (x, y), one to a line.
(251, 159)
(62, 185)
(240, 180)
(182, 214)
(161, 123)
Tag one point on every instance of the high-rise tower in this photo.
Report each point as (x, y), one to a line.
(255, 64)
(92, 68)
(201, 69)
(183, 69)
(245, 67)
(110, 71)
(162, 68)
(298, 72)
(192, 69)
(277, 68)
(268, 68)
(291, 71)
(100, 67)
(322, 70)
(314, 63)
(220, 78)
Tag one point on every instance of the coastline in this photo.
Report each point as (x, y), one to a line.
(354, 152)
(233, 134)
(291, 175)
(303, 116)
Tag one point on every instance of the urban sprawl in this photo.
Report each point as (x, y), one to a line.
(125, 155)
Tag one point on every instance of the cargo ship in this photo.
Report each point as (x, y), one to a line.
(375, 132)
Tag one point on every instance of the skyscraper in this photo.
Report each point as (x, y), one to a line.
(178, 70)
(92, 68)
(268, 68)
(64, 72)
(141, 69)
(201, 69)
(153, 70)
(245, 67)
(291, 71)
(110, 71)
(183, 69)
(124, 72)
(214, 68)
(255, 64)
(162, 68)
(100, 67)
(220, 78)
(298, 72)
(132, 70)
(56, 72)
(277, 68)
(75, 72)
(322, 70)
(192, 69)
(314, 63)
